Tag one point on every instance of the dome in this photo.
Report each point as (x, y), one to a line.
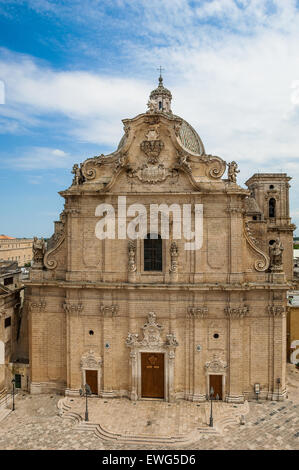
(160, 101)
(189, 138)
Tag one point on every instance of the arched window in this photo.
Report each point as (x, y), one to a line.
(152, 253)
(272, 204)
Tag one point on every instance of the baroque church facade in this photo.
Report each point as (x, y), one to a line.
(147, 318)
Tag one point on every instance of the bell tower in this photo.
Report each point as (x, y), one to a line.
(271, 192)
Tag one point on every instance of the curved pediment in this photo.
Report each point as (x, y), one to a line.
(154, 151)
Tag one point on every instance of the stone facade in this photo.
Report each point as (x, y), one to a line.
(16, 249)
(10, 302)
(215, 311)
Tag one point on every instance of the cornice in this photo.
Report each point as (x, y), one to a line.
(159, 286)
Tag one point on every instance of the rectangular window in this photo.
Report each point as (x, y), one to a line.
(7, 322)
(8, 281)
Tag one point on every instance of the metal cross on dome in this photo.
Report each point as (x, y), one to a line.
(160, 70)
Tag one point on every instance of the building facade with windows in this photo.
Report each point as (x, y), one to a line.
(16, 249)
(10, 302)
(146, 317)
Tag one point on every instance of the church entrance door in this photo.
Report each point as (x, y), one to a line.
(216, 383)
(92, 380)
(152, 375)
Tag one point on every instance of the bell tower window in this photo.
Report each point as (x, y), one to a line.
(153, 253)
(272, 207)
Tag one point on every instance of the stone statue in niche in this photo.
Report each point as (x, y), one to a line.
(232, 172)
(276, 255)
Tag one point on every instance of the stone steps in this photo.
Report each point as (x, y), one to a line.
(4, 412)
(5, 404)
(106, 435)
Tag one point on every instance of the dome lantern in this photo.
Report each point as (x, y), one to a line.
(160, 98)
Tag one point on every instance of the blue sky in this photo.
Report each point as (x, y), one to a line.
(73, 69)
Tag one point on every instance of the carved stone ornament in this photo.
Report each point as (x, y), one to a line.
(276, 310)
(132, 257)
(171, 340)
(232, 172)
(108, 310)
(151, 336)
(132, 339)
(152, 331)
(152, 149)
(173, 258)
(39, 249)
(198, 312)
(216, 365)
(152, 174)
(121, 162)
(90, 360)
(259, 265)
(216, 166)
(78, 175)
(151, 106)
(236, 312)
(49, 262)
(38, 306)
(276, 256)
(69, 307)
(183, 162)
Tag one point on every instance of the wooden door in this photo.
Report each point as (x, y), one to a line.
(216, 383)
(92, 380)
(152, 375)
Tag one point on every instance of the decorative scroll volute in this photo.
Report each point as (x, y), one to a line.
(259, 265)
(49, 259)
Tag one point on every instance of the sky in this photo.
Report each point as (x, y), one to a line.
(70, 71)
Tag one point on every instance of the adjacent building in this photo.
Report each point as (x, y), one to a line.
(16, 249)
(10, 302)
(150, 317)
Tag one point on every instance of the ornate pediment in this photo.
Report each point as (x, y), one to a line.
(151, 336)
(216, 365)
(90, 360)
(153, 150)
(152, 331)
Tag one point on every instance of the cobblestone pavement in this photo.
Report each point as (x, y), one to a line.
(35, 424)
(148, 418)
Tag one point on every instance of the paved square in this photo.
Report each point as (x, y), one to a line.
(36, 423)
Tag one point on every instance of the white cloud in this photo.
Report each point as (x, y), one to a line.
(232, 67)
(36, 92)
(40, 158)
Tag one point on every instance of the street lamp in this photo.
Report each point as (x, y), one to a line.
(13, 394)
(85, 392)
(211, 413)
